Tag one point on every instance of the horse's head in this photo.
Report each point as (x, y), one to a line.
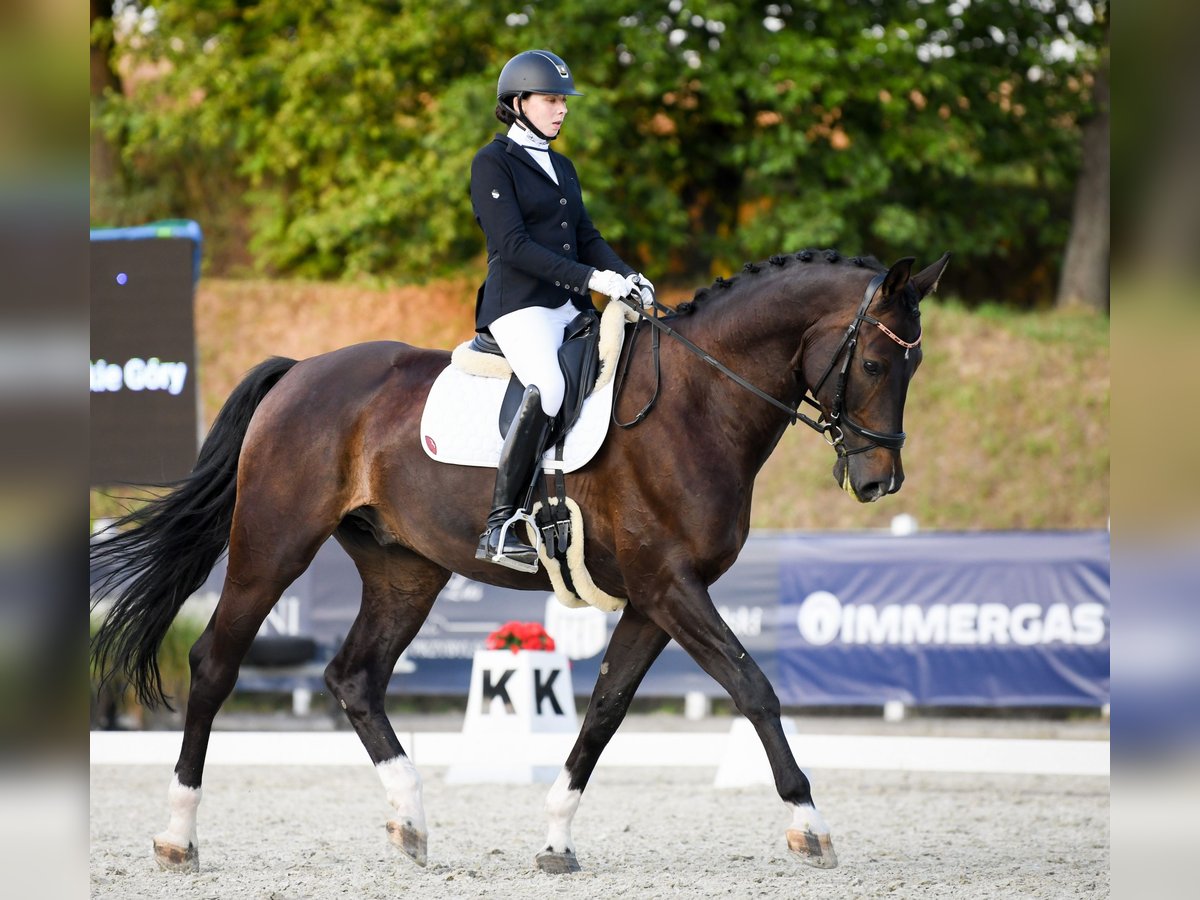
(858, 369)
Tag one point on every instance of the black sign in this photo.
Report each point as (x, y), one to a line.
(144, 407)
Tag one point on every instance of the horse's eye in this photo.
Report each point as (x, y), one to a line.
(871, 367)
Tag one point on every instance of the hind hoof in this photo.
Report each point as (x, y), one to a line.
(815, 849)
(557, 863)
(413, 843)
(171, 858)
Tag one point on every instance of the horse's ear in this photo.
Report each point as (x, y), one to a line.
(926, 281)
(897, 276)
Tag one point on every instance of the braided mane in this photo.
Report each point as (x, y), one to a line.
(750, 269)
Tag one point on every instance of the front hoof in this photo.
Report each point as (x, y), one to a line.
(176, 859)
(815, 849)
(557, 863)
(414, 843)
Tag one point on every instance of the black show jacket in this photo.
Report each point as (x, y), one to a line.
(541, 245)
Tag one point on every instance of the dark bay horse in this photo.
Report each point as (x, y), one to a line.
(331, 446)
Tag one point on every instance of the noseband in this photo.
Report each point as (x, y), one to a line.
(831, 428)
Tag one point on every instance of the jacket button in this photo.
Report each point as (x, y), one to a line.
(559, 284)
(566, 246)
(562, 225)
(562, 201)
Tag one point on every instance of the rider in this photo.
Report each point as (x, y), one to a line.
(544, 255)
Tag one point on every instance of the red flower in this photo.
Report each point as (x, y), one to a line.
(516, 636)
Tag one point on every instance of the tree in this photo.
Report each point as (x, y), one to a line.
(105, 171)
(1085, 263)
(711, 132)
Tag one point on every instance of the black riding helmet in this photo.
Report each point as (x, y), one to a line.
(534, 72)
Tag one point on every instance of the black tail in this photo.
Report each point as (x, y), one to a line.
(163, 551)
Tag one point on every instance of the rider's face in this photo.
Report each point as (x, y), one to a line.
(546, 112)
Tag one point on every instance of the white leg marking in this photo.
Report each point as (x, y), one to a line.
(181, 829)
(402, 785)
(806, 818)
(561, 804)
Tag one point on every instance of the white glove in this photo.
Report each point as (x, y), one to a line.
(646, 288)
(611, 284)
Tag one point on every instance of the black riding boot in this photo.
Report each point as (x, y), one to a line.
(522, 449)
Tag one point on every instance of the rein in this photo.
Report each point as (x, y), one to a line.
(830, 429)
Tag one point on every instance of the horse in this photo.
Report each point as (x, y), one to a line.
(330, 446)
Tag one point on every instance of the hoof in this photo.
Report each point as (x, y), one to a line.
(176, 859)
(414, 843)
(815, 849)
(557, 863)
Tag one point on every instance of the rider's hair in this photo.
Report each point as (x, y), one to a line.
(504, 111)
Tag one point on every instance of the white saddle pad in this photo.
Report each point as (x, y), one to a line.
(459, 423)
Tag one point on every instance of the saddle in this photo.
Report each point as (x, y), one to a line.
(466, 416)
(579, 360)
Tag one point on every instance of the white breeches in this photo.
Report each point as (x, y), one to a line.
(530, 339)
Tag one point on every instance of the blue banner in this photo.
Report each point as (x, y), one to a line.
(1013, 619)
(972, 619)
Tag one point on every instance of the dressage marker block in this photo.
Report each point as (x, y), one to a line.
(514, 697)
(745, 762)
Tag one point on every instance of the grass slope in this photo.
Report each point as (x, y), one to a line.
(1007, 418)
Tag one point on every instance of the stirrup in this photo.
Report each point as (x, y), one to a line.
(501, 560)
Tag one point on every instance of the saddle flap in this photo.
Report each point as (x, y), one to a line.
(579, 359)
(510, 404)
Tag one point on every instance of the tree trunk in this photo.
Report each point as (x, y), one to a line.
(1085, 264)
(103, 157)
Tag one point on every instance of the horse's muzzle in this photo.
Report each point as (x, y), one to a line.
(867, 483)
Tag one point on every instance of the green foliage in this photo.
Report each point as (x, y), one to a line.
(711, 132)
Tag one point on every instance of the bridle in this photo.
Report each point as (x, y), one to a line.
(831, 428)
